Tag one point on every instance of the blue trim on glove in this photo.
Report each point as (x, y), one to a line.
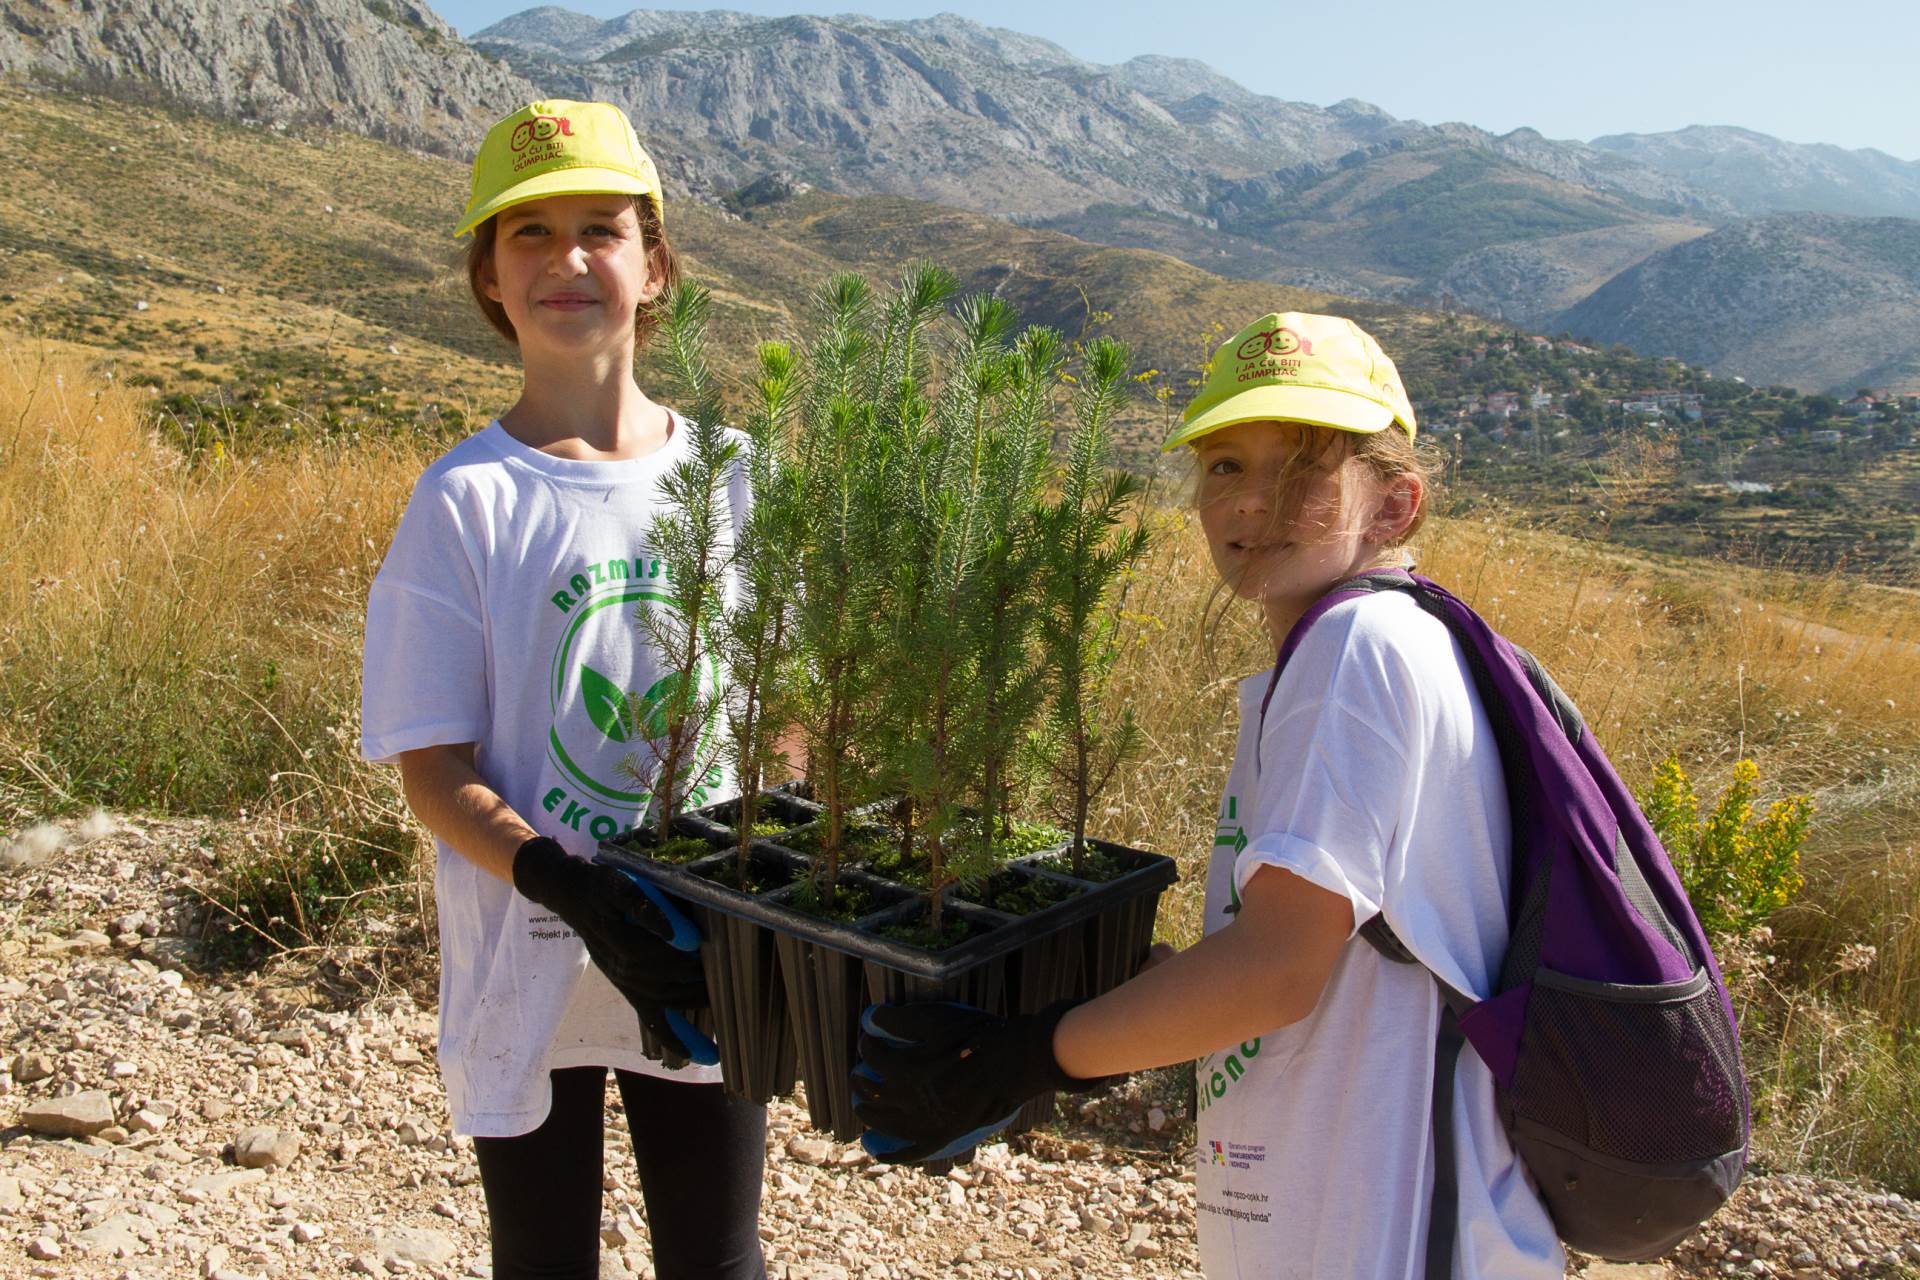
(880, 1145)
(701, 1050)
(686, 934)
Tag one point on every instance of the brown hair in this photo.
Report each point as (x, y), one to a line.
(659, 254)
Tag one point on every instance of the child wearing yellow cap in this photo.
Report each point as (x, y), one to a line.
(1365, 784)
(501, 618)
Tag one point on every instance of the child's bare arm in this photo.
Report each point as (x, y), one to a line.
(1266, 970)
(445, 791)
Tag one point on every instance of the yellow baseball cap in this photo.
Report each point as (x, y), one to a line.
(1292, 366)
(558, 148)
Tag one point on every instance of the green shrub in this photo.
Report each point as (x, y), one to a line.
(1737, 871)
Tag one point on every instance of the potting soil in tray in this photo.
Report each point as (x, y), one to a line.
(677, 850)
(852, 900)
(1020, 893)
(764, 874)
(916, 930)
(860, 841)
(776, 814)
(1100, 864)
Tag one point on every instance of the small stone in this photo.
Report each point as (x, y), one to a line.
(217, 1186)
(410, 1133)
(412, 1246)
(215, 1108)
(119, 1235)
(80, 1116)
(10, 1197)
(29, 1067)
(815, 1151)
(121, 1069)
(146, 1120)
(87, 941)
(1156, 1119)
(307, 1232)
(43, 1249)
(116, 1134)
(972, 1253)
(264, 1147)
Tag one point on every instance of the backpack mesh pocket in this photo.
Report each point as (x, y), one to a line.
(1645, 1074)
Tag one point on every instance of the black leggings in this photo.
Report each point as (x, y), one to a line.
(701, 1156)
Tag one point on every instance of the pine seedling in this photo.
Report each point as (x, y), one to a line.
(1009, 674)
(694, 535)
(945, 533)
(1090, 549)
(756, 629)
(838, 525)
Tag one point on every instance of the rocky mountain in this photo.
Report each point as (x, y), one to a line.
(1156, 153)
(392, 69)
(1757, 174)
(1835, 299)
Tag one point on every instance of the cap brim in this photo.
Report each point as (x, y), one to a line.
(1341, 410)
(582, 181)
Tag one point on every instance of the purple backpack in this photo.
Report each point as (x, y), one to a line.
(1610, 1035)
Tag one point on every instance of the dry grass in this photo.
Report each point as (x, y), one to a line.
(180, 632)
(183, 633)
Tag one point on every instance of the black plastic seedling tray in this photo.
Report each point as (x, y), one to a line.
(788, 987)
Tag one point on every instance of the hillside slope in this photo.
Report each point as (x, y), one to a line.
(1836, 300)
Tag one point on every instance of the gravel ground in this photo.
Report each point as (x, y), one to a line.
(166, 1119)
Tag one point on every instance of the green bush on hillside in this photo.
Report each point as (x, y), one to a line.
(1736, 871)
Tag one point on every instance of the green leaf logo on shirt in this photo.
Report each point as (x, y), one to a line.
(654, 708)
(618, 715)
(605, 703)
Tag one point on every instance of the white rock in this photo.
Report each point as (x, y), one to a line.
(414, 1246)
(1156, 1119)
(218, 1186)
(146, 1120)
(264, 1147)
(43, 1249)
(79, 1116)
(29, 1067)
(307, 1232)
(10, 1197)
(816, 1151)
(123, 1234)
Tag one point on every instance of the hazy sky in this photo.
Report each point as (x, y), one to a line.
(1839, 72)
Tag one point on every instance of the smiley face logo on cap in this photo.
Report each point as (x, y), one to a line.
(1274, 342)
(539, 129)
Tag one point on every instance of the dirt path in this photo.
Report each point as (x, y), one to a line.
(235, 1124)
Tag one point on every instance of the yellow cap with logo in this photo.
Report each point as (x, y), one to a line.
(558, 148)
(1292, 366)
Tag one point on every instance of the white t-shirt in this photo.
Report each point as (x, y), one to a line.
(1374, 776)
(506, 615)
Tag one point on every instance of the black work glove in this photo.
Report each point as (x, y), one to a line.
(627, 935)
(936, 1079)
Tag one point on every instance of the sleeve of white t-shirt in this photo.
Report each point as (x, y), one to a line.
(1334, 755)
(423, 674)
